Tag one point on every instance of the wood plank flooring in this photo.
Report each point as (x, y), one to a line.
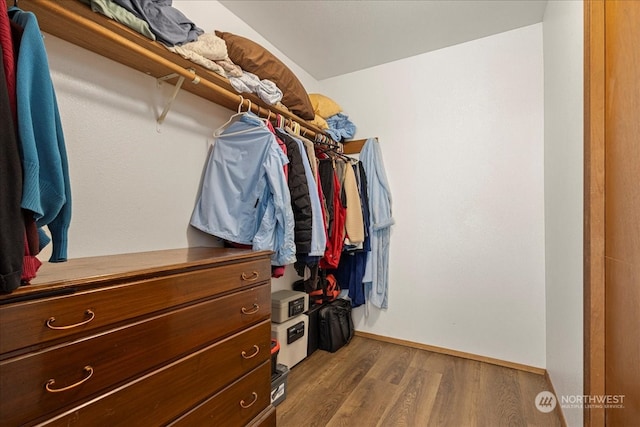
(375, 383)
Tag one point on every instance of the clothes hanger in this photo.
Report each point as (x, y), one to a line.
(219, 132)
(331, 149)
(293, 129)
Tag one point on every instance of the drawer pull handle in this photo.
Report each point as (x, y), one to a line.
(88, 369)
(249, 356)
(254, 276)
(52, 319)
(253, 310)
(248, 405)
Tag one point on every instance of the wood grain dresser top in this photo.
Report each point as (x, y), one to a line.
(67, 277)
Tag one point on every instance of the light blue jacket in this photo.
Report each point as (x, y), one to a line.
(376, 278)
(244, 197)
(46, 187)
(318, 234)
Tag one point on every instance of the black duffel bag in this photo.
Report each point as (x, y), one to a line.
(335, 325)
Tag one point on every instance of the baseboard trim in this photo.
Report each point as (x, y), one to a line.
(558, 409)
(456, 353)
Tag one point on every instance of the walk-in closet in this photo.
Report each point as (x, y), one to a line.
(315, 213)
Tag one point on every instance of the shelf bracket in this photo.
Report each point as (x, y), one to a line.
(176, 89)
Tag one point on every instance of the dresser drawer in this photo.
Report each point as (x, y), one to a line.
(162, 395)
(36, 322)
(88, 365)
(267, 418)
(236, 405)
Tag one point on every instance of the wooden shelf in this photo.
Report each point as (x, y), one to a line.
(73, 21)
(353, 146)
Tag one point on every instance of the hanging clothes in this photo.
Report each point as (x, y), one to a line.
(323, 208)
(299, 191)
(311, 155)
(11, 224)
(8, 60)
(351, 270)
(278, 270)
(336, 213)
(318, 232)
(363, 186)
(354, 225)
(325, 177)
(319, 222)
(282, 146)
(376, 277)
(46, 186)
(244, 197)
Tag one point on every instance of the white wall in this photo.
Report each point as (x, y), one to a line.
(563, 161)
(461, 130)
(210, 15)
(133, 188)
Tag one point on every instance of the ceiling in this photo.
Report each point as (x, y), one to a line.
(333, 37)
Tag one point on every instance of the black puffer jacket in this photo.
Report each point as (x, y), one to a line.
(300, 199)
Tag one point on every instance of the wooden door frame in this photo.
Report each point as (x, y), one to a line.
(594, 204)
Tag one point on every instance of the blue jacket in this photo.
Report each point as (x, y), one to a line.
(46, 187)
(318, 233)
(376, 278)
(244, 197)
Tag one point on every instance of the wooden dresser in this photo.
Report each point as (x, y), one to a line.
(176, 337)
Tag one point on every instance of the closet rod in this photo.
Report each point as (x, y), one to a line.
(54, 11)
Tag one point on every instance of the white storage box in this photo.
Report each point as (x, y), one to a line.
(292, 336)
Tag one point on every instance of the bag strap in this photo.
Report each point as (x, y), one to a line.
(332, 287)
(346, 335)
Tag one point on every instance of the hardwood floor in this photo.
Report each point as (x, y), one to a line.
(374, 383)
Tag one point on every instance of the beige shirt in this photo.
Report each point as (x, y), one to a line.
(354, 223)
